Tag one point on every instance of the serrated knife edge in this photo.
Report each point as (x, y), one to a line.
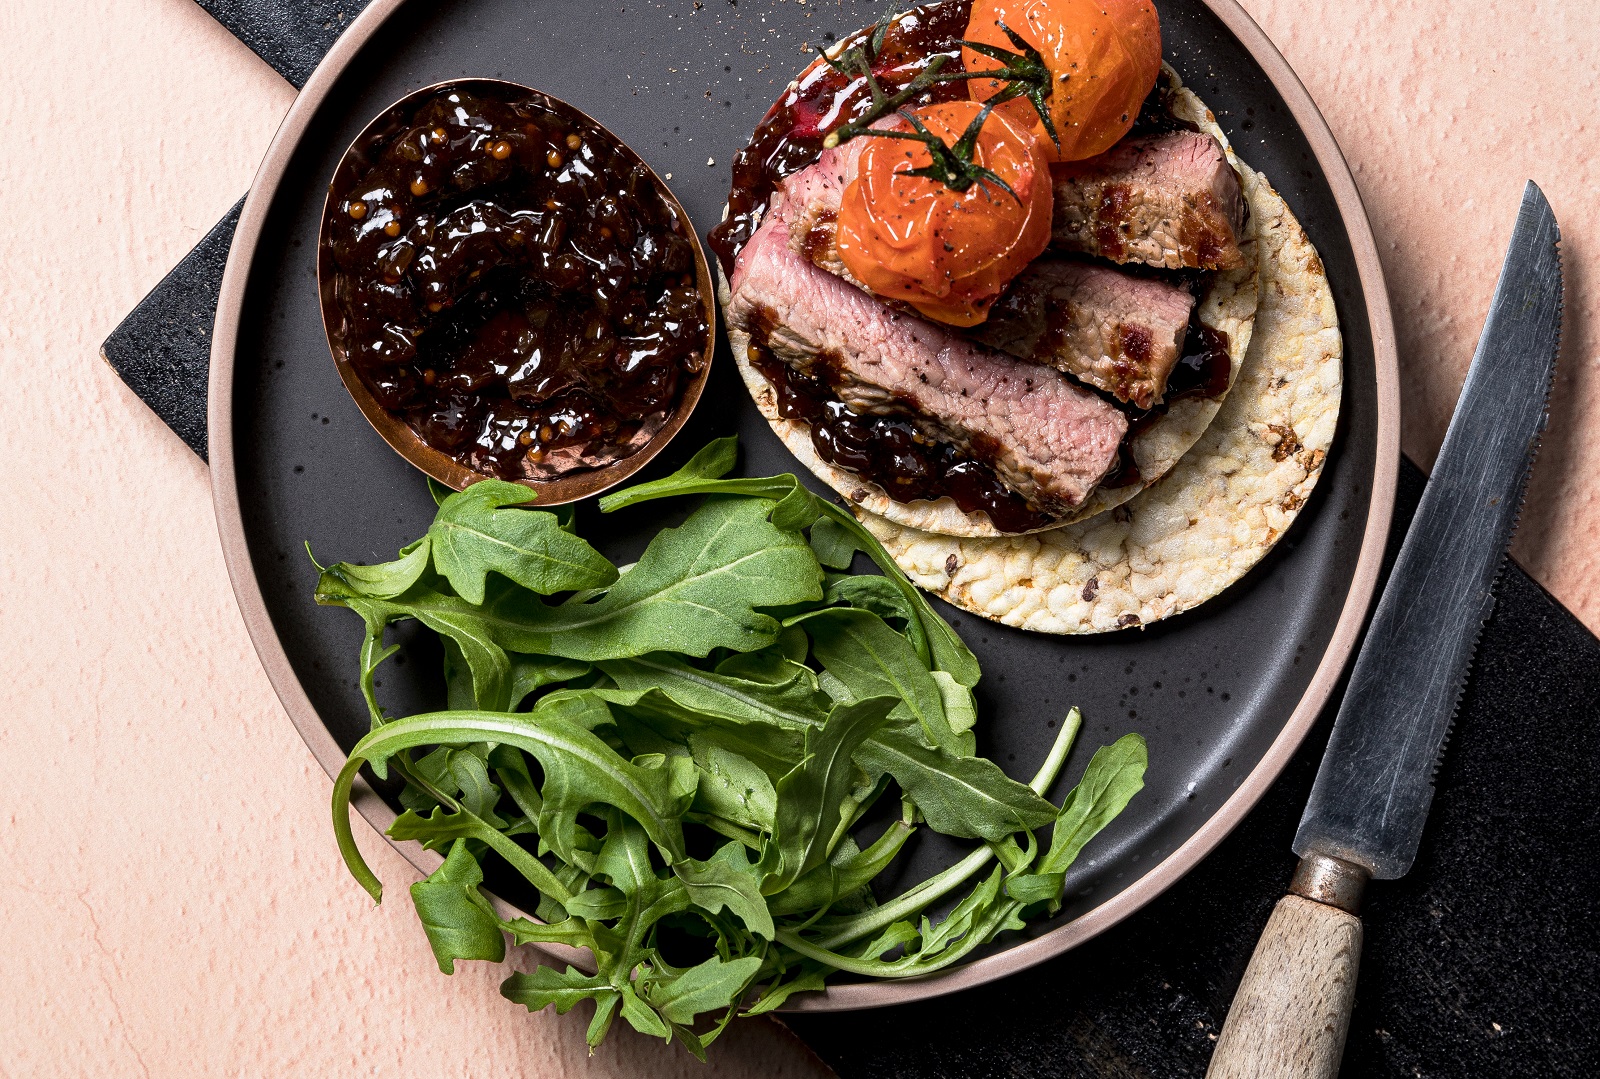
(1365, 826)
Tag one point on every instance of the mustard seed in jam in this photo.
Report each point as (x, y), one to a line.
(514, 286)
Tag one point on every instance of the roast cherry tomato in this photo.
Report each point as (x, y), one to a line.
(947, 253)
(1103, 55)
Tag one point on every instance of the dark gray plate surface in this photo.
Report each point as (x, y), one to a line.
(1211, 690)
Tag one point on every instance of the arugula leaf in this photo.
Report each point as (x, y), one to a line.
(571, 931)
(697, 588)
(960, 708)
(1115, 774)
(642, 1017)
(726, 879)
(459, 922)
(930, 635)
(858, 648)
(775, 749)
(835, 547)
(897, 935)
(969, 797)
(794, 702)
(813, 977)
(597, 904)
(467, 625)
(532, 673)
(511, 769)
(984, 913)
(605, 1010)
(731, 785)
(711, 986)
(876, 594)
(624, 861)
(387, 579)
(778, 665)
(545, 987)
(840, 932)
(446, 825)
(475, 533)
(478, 793)
(824, 885)
(459, 695)
(810, 797)
(711, 462)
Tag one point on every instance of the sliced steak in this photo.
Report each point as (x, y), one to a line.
(1167, 200)
(1047, 438)
(1118, 333)
(808, 205)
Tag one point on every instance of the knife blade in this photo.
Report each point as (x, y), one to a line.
(1372, 793)
(1375, 785)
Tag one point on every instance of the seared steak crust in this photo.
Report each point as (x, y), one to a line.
(1167, 200)
(1118, 333)
(1048, 439)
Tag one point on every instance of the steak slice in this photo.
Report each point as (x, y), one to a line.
(1119, 333)
(1047, 438)
(1167, 200)
(809, 206)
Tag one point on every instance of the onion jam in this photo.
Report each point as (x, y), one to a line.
(514, 285)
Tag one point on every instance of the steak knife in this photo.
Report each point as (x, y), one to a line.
(1365, 816)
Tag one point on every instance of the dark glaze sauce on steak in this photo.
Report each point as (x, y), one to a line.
(1203, 370)
(887, 450)
(514, 285)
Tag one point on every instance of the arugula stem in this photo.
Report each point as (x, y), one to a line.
(880, 557)
(726, 828)
(877, 968)
(929, 891)
(1058, 753)
(534, 871)
(372, 654)
(408, 772)
(941, 885)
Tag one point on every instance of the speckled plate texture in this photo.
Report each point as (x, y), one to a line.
(1224, 693)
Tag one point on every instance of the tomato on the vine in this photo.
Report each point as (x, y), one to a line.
(949, 253)
(1103, 55)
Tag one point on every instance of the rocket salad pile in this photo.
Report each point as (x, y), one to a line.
(678, 755)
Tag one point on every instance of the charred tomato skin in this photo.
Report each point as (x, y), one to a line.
(1104, 57)
(947, 253)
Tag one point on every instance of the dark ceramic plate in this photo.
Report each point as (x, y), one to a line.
(1224, 693)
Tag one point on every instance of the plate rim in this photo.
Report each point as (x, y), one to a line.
(850, 996)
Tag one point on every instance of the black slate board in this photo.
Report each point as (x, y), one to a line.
(291, 35)
(1480, 963)
(162, 350)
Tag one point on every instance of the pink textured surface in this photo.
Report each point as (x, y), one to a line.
(174, 904)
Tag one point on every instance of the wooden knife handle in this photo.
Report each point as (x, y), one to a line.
(1289, 1018)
